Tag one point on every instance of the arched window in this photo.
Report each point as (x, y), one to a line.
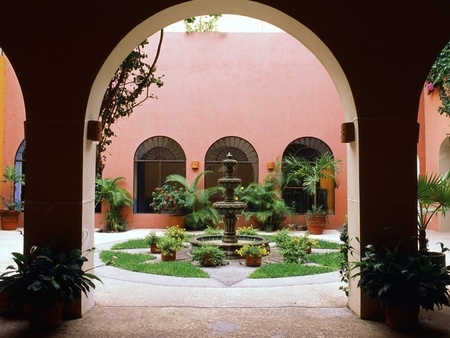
(242, 151)
(308, 148)
(19, 161)
(154, 160)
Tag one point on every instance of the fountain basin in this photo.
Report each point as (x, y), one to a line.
(229, 248)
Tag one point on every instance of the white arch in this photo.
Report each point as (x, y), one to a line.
(257, 11)
(238, 7)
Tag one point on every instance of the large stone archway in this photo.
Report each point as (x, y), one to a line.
(378, 50)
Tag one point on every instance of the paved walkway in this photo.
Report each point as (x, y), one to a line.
(139, 305)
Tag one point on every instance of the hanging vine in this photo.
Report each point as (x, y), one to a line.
(128, 88)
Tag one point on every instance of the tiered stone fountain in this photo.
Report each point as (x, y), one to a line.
(229, 208)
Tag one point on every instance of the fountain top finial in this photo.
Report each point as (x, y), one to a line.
(229, 163)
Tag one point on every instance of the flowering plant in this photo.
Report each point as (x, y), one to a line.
(253, 250)
(175, 232)
(168, 197)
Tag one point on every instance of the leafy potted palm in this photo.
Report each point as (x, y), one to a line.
(199, 210)
(402, 283)
(265, 204)
(11, 206)
(108, 190)
(309, 174)
(44, 282)
(433, 197)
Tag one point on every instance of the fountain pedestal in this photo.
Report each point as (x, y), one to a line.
(229, 208)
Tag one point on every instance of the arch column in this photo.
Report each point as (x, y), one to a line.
(60, 193)
(387, 192)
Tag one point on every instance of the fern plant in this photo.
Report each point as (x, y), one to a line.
(197, 202)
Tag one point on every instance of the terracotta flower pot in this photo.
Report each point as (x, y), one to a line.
(154, 248)
(402, 317)
(253, 261)
(315, 223)
(46, 317)
(10, 218)
(172, 256)
(177, 220)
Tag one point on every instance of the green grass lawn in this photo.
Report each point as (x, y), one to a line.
(139, 263)
(322, 263)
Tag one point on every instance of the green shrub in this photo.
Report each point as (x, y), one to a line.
(209, 254)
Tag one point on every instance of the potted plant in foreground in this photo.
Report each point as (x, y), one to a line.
(253, 254)
(309, 174)
(11, 206)
(209, 255)
(402, 283)
(42, 285)
(433, 197)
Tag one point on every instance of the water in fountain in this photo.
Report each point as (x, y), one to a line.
(229, 208)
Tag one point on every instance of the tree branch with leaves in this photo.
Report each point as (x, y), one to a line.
(128, 88)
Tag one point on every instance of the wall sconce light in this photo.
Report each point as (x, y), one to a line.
(347, 132)
(94, 130)
(271, 165)
(195, 165)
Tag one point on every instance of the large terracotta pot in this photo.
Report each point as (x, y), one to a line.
(402, 317)
(10, 218)
(253, 261)
(315, 223)
(177, 220)
(5, 305)
(46, 317)
(170, 257)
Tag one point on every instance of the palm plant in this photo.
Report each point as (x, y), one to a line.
(266, 205)
(433, 197)
(199, 210)
(108, 190)
(309, 173)
(14, 176)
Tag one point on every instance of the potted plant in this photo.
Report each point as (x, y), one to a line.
(170, 199)
(108, 190)
(168, 246)
(402, 283)
(197, 205)
(11, 206)
(433, 197)
(43, 283)
(176, 232)
(264, 202)
(209, 255)
(253, 254)
(152, 240)
(294, 249)
(309, 174)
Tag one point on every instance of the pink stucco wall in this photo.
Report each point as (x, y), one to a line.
(265, 88)
(434, 145)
